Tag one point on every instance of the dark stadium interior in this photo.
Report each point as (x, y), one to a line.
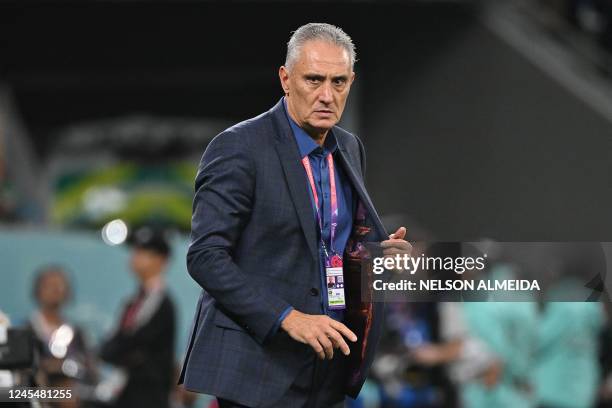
(467, 125)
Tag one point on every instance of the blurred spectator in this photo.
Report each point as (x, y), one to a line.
(568, 344)
(64, 355)
(509, 330)
(569, 332)
(489, 347)
(143, 343)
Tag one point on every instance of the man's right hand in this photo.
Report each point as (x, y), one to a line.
(321, 332)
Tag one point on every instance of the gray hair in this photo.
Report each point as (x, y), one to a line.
(318, 31)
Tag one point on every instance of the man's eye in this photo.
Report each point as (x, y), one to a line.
(339, 81)
(313, 80)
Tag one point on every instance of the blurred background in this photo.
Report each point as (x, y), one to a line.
(481, 119)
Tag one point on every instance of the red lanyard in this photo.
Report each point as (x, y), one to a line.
(334, 197)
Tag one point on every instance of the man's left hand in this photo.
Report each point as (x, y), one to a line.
(396, 244)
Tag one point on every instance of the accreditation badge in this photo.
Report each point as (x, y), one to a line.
(335, 283)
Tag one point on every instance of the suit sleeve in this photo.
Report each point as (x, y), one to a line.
(224, 199)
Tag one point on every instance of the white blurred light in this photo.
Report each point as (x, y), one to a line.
(112, 383)
(70, 368)
(104, 392)
(58, 350)
(115, 232)
(60, 340)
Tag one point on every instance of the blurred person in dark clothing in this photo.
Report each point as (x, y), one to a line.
(143, 343)
(64, 355)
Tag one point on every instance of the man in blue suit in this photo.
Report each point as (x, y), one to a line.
(280, 220)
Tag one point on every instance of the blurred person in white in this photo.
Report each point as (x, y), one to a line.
(489, 349)
(65, 358)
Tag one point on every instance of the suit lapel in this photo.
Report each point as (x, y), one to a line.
(288, 152)
(361, 191)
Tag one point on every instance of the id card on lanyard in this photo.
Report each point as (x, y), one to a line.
(334, 275)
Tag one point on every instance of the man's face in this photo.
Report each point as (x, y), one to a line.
(146, 264)
(317, 85)
(53, 290)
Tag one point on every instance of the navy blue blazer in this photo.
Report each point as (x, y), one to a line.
(254, 252)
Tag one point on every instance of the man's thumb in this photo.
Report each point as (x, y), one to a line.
(399, 234)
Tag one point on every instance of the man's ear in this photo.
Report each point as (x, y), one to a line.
(353, 76)
(283, 75)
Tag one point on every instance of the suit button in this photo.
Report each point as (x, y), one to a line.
(314, 292)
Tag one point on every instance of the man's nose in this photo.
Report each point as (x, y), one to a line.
(326, 96)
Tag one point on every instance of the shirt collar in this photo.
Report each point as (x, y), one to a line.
(305, 143)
